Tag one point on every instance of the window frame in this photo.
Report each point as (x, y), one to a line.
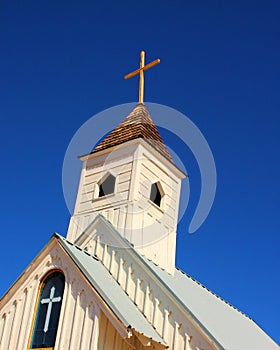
(161, 192)
(97, 185)
(31, 332)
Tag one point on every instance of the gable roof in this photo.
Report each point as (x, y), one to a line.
(228, 327)
(109, 290)
(103, 283)
(138, 124)
(232, 328)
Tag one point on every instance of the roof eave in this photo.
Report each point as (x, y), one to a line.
(169, 164)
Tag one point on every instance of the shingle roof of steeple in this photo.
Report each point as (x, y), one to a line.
(138, 124)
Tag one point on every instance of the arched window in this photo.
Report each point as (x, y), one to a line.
(47, 312)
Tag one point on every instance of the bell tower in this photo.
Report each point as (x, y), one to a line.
(131, 180)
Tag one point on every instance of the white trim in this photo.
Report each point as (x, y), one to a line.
(171, 166)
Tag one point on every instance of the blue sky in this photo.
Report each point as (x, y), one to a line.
(63, 61)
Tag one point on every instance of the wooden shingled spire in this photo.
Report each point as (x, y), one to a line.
(138, 124)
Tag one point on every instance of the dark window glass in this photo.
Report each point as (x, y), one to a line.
(107, 186)
(48, 310)
(155, 194)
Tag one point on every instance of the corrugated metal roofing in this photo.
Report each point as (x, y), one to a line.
(110, 291)
(230, 327)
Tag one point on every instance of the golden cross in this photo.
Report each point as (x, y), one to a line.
(140, 71)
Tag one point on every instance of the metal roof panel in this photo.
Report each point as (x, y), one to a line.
(229, 326)
(110, 291)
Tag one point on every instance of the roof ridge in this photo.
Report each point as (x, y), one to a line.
(213, 293)
(76, 246)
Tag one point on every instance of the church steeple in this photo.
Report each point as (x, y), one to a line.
(131, 180)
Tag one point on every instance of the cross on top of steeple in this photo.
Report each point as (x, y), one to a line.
(140, 71)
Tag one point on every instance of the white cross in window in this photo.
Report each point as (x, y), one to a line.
(49, 301)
